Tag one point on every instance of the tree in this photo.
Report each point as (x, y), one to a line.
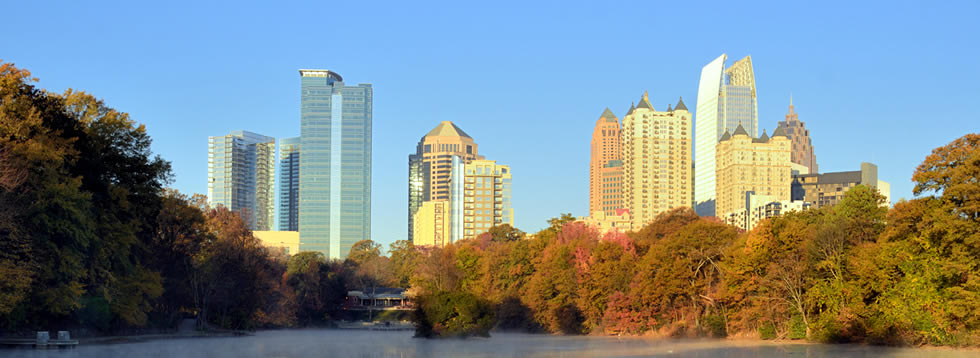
(952, 171)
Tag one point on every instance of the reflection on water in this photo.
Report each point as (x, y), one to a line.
(370, 344)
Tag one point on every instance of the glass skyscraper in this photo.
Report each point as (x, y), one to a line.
(334, 163)
(289, 184)
(726, 99)
(241, 176)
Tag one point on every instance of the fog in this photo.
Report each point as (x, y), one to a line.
(370, 344)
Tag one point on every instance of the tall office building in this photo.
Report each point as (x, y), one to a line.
(480, 197)
(334, 163)
(289, 184)
(605, 167)
(241, 176)
(726, 99)
(429, 168)
(800, 137)
(756, 166)
(656, 160)
(432, 224)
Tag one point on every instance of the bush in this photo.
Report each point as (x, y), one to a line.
(797, 329)
(453, 314)
(767, 331)
(716, 326)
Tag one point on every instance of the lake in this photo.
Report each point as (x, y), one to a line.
(371, 344)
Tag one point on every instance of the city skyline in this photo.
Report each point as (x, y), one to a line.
(847, 81)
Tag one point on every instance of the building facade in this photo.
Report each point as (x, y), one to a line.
(289, 184)
(431, 224)
(656, 160)
(241, 176)
(480, 198)
(757, 166)
(797, 133)
(828, 189)
(759, 207)
(621, 221)
(726, 99)
(605, 166)
(335, 163)
(430, 167)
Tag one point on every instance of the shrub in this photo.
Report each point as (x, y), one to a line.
(453, 314)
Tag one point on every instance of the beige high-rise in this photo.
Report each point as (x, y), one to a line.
(656, 160)
(605, 167)
(429, 168)
(760, 166)
(432, 224)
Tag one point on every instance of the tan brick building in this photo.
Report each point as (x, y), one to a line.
(432, 224)
(656, 160)
(760, 166)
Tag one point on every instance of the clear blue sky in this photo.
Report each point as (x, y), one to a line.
(884, 82)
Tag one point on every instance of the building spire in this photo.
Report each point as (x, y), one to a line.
(791, 109)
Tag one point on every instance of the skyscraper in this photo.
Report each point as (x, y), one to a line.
(429, 168)
(480, 198)
(605, 167)
(795, 129)
(726, 99)
(334, 163)
(656, 160)
(289, 184)
(241, 176)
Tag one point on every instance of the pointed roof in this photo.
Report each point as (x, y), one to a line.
(779, 132)
(668, 108)
(632, 107)
(609, 116)
(740, 130)
(680, 105)
(725, 136)
(447, 129)
(645, 102)
(763, 139)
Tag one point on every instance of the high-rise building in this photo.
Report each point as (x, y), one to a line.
(751, 166)
(334, 163)
(656, 160)
(430, 167)
(432, 224)
(795, 129)
(828, 189)
(605, 167)
(289, 184)
(726, 99)
(241, 176)
(480, 197)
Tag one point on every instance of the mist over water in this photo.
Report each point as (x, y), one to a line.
(371, 344)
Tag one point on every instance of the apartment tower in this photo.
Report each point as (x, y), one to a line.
(480, 198)
(726, 100)
(656, 160)
(605, 167)
(334, 163)
(747, 165)
(430, 167)
(241, 176)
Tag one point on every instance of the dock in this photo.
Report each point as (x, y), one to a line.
(43, 341)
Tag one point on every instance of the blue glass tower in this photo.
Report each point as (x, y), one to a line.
(335, 163)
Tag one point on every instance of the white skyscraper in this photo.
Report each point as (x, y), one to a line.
(726, 99)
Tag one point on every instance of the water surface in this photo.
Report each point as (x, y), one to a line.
(371, 344)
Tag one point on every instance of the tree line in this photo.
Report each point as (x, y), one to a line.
(90, 237)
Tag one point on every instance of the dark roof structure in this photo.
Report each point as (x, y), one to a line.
(632, 107)
(645, 102)
(740, 130)
(779, 132)
(609, 116)
(763, 139)
(680, 105)
(725, 136)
